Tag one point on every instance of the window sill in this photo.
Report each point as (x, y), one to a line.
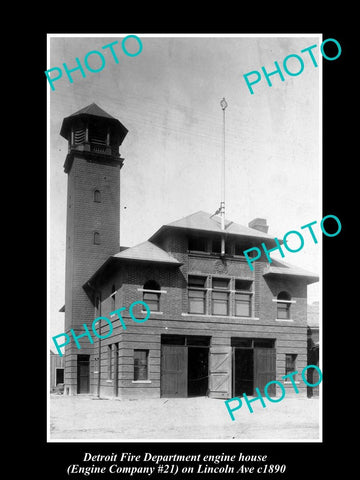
(153, 312)
(284, 320)
(218, 316)
(109, 381)
(151, 291)
(283, 301)
(141, 381)
(290, 383)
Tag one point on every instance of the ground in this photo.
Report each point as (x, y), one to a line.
(89, 418)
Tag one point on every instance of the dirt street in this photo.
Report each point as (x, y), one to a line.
(86, 417)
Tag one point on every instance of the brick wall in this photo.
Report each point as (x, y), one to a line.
(290, 337)
(83, 257)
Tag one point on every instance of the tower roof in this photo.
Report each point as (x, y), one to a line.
(93, 111)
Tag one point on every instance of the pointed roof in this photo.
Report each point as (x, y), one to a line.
(147, 252)
(203, 221)
(278, 267)
(93, 111)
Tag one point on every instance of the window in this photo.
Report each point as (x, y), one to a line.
(150, 296)
(109, 363)
(113, 299)
(97, 196)
(96, 238)
(196, 294)
(141, 364)
(243, 295)
(264, 343)
(290, 363)
(216, 246)
(283, 306)
(252, 342)
(220, 296)
(97, 306)
(240, 247)
(59, 376)
(197, 244)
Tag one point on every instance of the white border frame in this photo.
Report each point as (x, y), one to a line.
(48, 344)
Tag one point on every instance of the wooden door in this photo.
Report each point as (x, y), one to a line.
(173, 381)
(264, 369)
(83, 374)
(220, 372)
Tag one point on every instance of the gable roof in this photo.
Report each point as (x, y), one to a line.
(278, 267)
(204, 221)
(143, 252)
(148, 252)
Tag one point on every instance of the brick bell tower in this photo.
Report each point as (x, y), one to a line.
(93, 166)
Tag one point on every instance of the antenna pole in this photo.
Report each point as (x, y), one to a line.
(223, 104)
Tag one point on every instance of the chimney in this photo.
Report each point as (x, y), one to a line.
(259, 224)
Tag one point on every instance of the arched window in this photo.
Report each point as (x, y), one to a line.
(151, 295)
(97, 238)
(283, 305)
(97, 196)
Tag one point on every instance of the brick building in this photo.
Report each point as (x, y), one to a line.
(56, 372)
(216, 328)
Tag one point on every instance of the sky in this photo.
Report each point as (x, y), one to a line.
(168, 97)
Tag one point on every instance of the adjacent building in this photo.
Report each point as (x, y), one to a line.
(56, 372)
(216, 327)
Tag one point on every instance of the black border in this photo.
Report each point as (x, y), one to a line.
(308, 459)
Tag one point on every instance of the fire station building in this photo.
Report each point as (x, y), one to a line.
(216, 327)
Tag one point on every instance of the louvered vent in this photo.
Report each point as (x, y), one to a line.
(98, 136)
(79, 136)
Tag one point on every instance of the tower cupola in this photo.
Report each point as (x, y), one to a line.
(93, 131)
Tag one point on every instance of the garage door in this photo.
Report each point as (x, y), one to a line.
(173, 371)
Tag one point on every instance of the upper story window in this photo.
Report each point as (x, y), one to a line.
(97, 196)
(97, 305)
(209, 295)
(243, 298)
(97, 240)
(220, 296)
(283, 305)
(196, 294)
(151, 295)
(113, 297)
(197, 244)
(216, 246)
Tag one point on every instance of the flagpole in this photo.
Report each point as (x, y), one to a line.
(223, 105)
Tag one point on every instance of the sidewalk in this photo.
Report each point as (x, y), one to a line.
(89, 418)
